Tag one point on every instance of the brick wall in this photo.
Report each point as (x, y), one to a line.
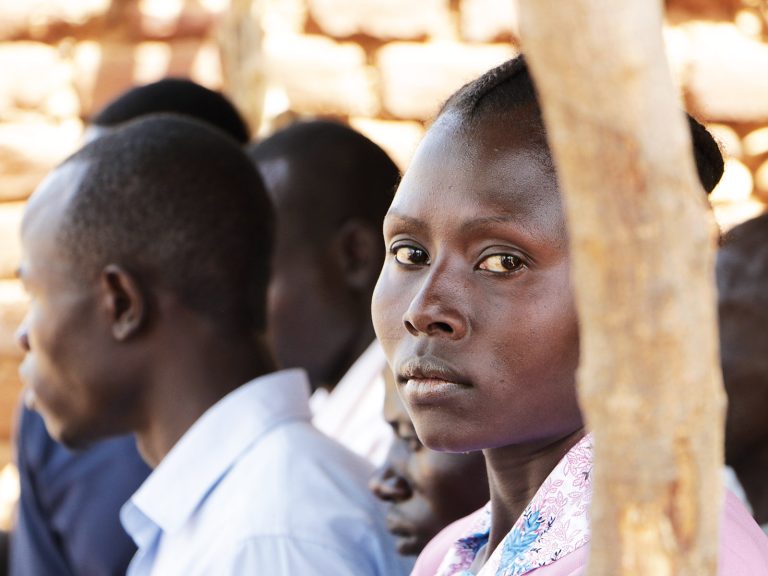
(382, 65)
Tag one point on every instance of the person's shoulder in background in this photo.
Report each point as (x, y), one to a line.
(314, 493)
(61, 489)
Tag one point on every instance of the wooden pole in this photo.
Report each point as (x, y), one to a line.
(240, 43)
(642, 242)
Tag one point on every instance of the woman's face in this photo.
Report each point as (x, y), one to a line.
(473, 306)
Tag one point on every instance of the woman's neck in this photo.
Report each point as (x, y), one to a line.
(515, 473)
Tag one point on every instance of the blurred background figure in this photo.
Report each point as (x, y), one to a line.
(742, 280)
(173, 96)
(424, 490)
(68, 513)
(331, 187)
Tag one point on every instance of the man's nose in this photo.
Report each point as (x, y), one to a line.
(22, 336)
(389, 486)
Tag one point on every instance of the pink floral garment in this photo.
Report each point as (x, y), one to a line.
(554, 524)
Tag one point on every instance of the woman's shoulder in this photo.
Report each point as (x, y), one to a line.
(431, 557)
(743, 545)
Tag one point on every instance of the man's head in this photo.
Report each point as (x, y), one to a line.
(331, 187)
(160, 225)
(742, 280)
(423, 490)
(170, 95)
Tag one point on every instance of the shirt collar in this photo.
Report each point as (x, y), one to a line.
(212, 445)
(554, 524)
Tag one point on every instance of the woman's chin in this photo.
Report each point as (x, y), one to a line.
(446, 439)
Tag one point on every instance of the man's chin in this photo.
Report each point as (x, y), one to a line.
(72, 443)
(29, 398)
(409, 545)
(61, 433)
(58, 429)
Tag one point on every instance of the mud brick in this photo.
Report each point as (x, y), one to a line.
(398, 138)
(727, 79)
(321, 76)
(384, 19)
(28, 151)
(488, 20)
(10, 254)
(417, 78)
(33, 76)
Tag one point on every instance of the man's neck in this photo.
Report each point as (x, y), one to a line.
(355, 348)
(190, 379)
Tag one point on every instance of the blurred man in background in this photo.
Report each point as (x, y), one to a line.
(742, 281)
(424, 490)
(331, 187)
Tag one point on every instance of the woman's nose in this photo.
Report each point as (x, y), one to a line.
(436, 309)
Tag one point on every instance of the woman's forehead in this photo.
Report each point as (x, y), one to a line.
(488, 170)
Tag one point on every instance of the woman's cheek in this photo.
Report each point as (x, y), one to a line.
(386, 308)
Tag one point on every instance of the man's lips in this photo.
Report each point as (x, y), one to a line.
(396, 526)
(406, 536)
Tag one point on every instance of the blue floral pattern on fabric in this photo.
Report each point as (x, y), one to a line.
(553, 524)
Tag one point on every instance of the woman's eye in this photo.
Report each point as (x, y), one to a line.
(410, 256)
(502, 263)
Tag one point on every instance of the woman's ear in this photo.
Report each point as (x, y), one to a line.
(360, 252)
(123, 302)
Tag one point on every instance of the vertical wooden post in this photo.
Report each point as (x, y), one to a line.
(642, 243)
(240, 44)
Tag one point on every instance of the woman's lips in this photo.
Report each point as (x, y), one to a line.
(428, 368)
(425, 391)
(428, 380)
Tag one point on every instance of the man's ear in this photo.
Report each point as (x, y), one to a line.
(360, 252)
(123, 301)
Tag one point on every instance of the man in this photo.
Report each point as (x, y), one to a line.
(424, 491)
(60, 488)
(331, 187)
(742, 280)
(146, 255)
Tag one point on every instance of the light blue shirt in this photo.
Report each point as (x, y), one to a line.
(253, 489)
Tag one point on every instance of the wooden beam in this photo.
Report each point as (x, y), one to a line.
(240, 44)
(643, 242)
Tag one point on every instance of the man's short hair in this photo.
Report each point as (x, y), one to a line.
(177, 96)
(336, 174)
(182, 207)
